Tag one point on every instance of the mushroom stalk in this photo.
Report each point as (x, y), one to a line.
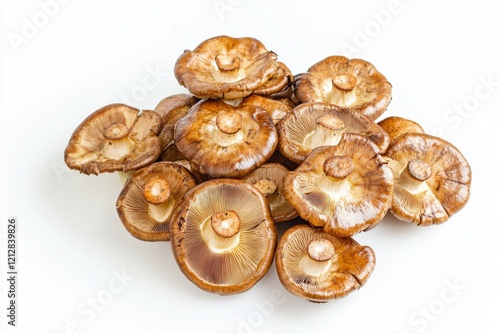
(226, 223)
(229, 122)
(329, 132)
(321, 249)
(156, 190)
(338, 167)
(266, 187)
(414, 176)
(344, 81)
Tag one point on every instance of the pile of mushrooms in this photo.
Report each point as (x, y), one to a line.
(214, 170)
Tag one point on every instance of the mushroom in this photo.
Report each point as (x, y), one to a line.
(268, 179)
(311, 125)
(149, 198)
(276, 109)
(319, 267)
(281, 83)
(431, 178)
(345, 189)
(396, 126)
(225, 141)
(172, 109)
(116, 137)
(223, 236)
(230, 68)
(352, 83)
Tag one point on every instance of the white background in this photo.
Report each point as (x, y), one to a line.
(62, 60)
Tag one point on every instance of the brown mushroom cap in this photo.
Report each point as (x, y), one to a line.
(431, 178)
(224, 141)
(351, 83)
(223, 236)
(396, 126)
(311, 125)
(172, 109)
(116, 137)
(319, 267)
(279, 84)
(149, 198)
(226, 67)
(345, 188)
(276, 109)
(268, 179)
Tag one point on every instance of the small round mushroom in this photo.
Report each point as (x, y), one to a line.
(114, 138)
(229, 68)
(352, 83)
(319, 267)
(149, 198)
(268, 179)
(223, 236)
(276, 109)
(311, 125)
(396, 126)
(225, 141)
(431, 178)
(345, 189)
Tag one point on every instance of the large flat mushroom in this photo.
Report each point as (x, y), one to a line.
(223, 236)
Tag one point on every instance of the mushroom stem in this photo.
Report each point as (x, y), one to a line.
(344, 81)
(229, 122)
(328, 132)
(156, 190)
(266, 187)
(419, 169)
(338, 167)
(321, 249)
(227, 62)
(226, 223)
(116, 131)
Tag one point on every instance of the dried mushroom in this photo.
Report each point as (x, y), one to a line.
(223, 236)
(345, 189)
(311, 125)
(149, 198)
(276, 109)
(431, 178)
(114, 138)
(344, 82)
(319, 267)
(230, 68)
(268, 179)
(225, 141)
(396, 126)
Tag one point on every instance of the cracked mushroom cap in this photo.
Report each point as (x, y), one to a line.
(268, 179)
(351, 83)
(345, 189)
(116, 137)
(225, 141)
(311, 125)
(319, 267)
(431, 179)
(223, 236)
(149, 198)
(396, 126)
(229, 68)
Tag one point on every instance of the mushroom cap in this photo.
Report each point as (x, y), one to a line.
(431, 178)
(172, 109)
(227, 68)
(218, 152)
(279, 84)
(151, 221)
(218, 264)
(116, 137)
(396, 126)
(273, 172)
(276, 109)
(300, 130)
(321, 280)
(345, 189)
(344, 82)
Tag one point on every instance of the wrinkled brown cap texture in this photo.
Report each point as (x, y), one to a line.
(344, 82)
(116, 137)
(229, 68)
(343, 198)
(276, 109)
(223, 265)
(396, 126)
(144, 220)
(217, 154)
(320, 281)
(441, 192)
